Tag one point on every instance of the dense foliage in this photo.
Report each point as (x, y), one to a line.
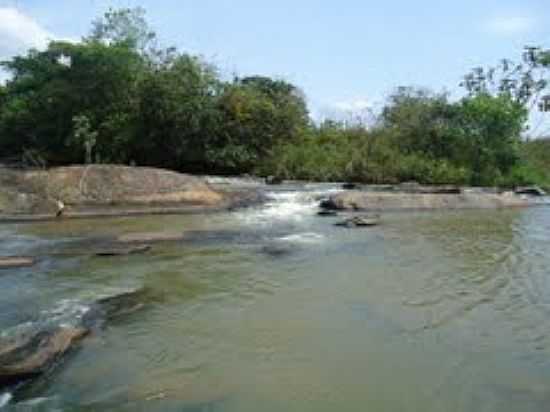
(117, 97)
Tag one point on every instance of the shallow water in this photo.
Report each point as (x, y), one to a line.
(276, 309)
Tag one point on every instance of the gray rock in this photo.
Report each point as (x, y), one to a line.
(273, 180)
(384, 201)
(33, 355)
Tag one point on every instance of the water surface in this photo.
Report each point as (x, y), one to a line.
(276, 309)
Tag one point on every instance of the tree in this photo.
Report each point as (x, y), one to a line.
(178, 116)
(526, 82)
(126, 26)
(258, 114)
(49, 88)
(491, 126)
(421, 122)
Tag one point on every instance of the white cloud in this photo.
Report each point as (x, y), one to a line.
(19, 32)
(354, 105)
(509, 25)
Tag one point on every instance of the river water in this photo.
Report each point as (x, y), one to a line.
(276, 309)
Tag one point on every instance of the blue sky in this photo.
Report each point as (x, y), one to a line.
(345, 55)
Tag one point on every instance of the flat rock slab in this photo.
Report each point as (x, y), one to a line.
(381, 201)
(16, 262)
(123, 251)
(150, 237)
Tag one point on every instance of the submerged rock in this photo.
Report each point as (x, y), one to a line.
(327, 213)
(16, 262)
(150, 237)
(123, 251)
(350, 186)
(33, 355)
(124, 303)
(277, 251)
(360, 221)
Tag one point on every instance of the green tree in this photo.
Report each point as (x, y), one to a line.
(178, 116)
(258, 114)
(49, 88)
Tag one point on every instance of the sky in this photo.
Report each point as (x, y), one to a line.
(346, 55)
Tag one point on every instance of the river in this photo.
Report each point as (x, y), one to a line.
(273, 308)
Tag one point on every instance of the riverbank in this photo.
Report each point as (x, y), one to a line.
(99, 191)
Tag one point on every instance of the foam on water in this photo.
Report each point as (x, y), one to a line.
(5, 398)
(68, 312)
(291, 206)
(306, 237)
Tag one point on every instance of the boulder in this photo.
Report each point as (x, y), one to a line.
(12, 262)
(34, 354)
(273, 180)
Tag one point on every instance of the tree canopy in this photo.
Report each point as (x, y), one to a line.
(118, 97)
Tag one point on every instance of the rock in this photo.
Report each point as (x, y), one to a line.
(411, 187)
(150, 237)
(327, 213)
(378, 201)
(112, 307)
(85, 187)
(273, 180)
(361, 221)
(414, 187)
(277, 251)
(124, 251)
(530, 191)
(244, 198)
(16, 262)
(34, 355)
(349, 186)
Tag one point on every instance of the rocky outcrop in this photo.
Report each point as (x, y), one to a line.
(108, 190)
(100, 185)
(384, 201)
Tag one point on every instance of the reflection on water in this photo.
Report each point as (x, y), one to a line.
(274, 309)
